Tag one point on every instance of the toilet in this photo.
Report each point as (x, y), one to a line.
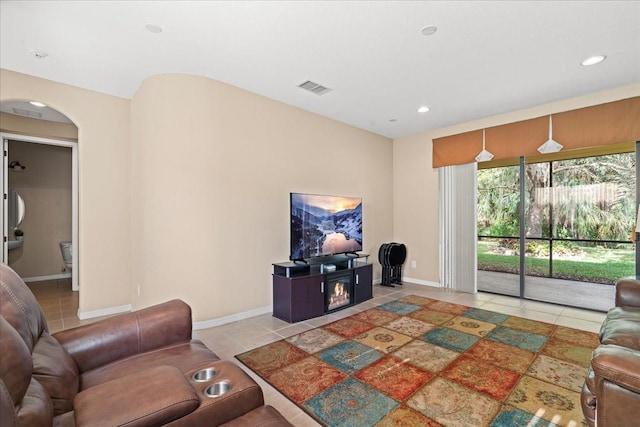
(67, 254)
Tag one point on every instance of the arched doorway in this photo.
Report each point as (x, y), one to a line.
(47, 136)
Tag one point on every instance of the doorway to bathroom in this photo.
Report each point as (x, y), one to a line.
(43, 173)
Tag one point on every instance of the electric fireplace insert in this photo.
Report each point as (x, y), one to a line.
(338, 291)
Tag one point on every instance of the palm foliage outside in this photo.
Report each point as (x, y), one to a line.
(590, 207)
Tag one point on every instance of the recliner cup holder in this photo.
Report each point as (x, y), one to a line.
(205, 375)
(217, 389)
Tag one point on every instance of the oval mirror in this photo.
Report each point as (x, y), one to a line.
(16, 209)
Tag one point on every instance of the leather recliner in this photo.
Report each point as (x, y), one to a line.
(611, 393)
(134, 369)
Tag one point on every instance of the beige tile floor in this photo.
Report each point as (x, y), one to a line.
(60, 306)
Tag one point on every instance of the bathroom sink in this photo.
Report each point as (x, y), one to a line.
(14, 244)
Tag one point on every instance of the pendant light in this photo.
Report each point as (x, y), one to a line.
(550, 146)
(484, 155)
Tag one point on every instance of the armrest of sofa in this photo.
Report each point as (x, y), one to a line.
(124, 335)
(151, 397)
(618, 365)
(628, 292)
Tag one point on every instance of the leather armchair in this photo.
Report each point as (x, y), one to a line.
(611, 393)
(134, 369)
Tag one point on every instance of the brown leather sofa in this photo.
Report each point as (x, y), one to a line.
(134, 369)
(611, 393)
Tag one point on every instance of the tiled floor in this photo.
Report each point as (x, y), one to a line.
(593, 296)
(60, 306)
(59, 303)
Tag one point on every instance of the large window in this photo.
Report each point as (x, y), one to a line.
(570, 220)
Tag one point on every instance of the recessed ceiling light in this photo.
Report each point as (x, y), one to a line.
(593, 60)
(37, 104)
(38, 53)
(424, 109)
(429, 30)
(152, 28)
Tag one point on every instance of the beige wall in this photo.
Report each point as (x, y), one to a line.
(184, 189)
(104, 180)
(42, 128)
(415, 218)
(415, 207)
(196, 199)
(212, 169)
(45, 186)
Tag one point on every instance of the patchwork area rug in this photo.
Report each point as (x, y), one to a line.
(423, 362)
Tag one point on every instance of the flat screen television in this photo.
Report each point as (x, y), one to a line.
(324, 225)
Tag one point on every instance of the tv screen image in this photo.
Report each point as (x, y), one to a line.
(324, 225)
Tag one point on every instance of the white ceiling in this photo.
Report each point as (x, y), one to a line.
(486, 57)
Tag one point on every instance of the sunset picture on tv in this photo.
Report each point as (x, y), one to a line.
(324, 225)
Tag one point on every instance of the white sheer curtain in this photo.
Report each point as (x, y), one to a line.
(457, 196)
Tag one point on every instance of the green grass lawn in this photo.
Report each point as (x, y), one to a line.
(598, 265)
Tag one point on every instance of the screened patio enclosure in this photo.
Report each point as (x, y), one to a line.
(558, 228)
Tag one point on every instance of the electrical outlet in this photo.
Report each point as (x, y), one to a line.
(413, 263)
(139, 290)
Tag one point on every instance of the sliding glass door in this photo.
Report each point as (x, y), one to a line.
(538, 208)
(499, 230)
(562, 234)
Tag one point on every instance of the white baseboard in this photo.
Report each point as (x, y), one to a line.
(421, 282)
(83, 315)
(45, 278)
(204, 324)
(196, 325)
(231, 318)
(414, 281)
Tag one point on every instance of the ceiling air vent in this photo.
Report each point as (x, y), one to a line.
(27, 113)
(314, 87)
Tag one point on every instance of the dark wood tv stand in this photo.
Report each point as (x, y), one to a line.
(298, 288)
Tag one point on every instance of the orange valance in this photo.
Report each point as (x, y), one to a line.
(603, 124)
